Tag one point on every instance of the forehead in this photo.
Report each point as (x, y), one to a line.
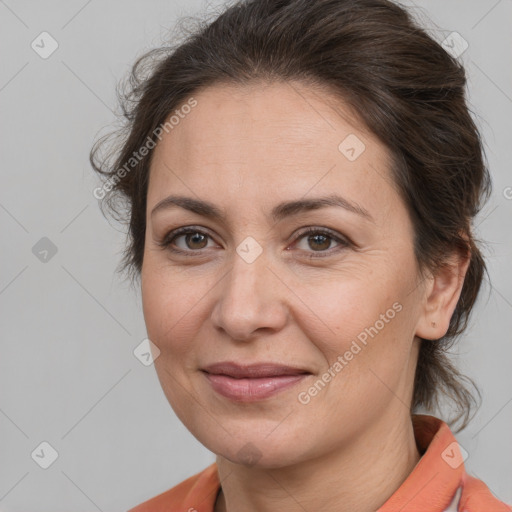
(278, 112)
(285, 136)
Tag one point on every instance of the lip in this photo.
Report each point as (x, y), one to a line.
(255, 370)
(248, 383)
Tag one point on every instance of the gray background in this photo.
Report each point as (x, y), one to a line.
(69, 326)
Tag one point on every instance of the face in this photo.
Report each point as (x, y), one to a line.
(341, 302)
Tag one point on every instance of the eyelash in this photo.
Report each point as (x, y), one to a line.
(172, 235)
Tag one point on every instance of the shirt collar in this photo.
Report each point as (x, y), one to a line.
(436, 479)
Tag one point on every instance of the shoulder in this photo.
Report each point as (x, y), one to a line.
(195, 494)
(477, 497)
(440, 479)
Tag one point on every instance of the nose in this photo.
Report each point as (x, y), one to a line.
(251, 299)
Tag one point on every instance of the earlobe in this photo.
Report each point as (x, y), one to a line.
(441, 297)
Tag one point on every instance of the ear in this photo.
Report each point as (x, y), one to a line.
(441, 295)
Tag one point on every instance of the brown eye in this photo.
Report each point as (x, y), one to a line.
(195, 240)
(315, 240)
(320, 242)
(185, 240)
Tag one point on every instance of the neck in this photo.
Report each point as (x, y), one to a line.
(357, 478)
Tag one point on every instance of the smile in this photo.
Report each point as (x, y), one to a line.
(251, 389)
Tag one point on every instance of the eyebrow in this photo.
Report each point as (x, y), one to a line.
(279, 212)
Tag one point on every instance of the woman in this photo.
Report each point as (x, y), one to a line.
(301, 177)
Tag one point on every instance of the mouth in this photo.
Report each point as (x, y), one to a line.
(247, 383)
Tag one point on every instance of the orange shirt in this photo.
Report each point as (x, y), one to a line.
(438, 483)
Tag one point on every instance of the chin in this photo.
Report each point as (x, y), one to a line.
(260, 451)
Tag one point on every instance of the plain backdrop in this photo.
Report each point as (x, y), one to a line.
(69, 325)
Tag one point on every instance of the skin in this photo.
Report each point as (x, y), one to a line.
(247, 149)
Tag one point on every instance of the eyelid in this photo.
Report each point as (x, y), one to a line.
(343, 241)
(184, 230)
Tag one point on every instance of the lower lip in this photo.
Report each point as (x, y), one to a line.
(250, 390)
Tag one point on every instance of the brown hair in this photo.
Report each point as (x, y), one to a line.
(406, 89)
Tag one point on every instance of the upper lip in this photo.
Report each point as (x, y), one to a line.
(256, 370)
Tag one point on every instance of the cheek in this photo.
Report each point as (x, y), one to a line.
(360, 325)
(352, 323)
(365, 356)
(345, 302)
(173, 304)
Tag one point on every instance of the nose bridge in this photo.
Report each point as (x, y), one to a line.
(249, 298)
